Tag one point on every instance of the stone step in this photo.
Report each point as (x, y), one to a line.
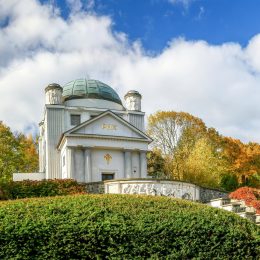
(250, 209)
(247, 215)
(242, 202)
(237, 206)
(217, 203)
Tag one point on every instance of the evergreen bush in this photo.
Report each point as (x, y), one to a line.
(122, 227)
(29, 189)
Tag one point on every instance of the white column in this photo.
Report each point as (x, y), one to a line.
(79, 173)
(40, 154)
(70, 164)
(128, 164)
(88, 165)
(143, 164)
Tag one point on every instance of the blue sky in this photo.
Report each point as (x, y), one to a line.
(156, 22)
(197, 56)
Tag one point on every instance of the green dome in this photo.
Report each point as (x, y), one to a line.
(89, 88)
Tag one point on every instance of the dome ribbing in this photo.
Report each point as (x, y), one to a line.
(89, 88)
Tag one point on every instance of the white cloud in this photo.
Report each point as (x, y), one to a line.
(201, 13)
(218, 83)
(74, 5)
(185, 3)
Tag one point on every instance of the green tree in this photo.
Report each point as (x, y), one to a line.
(155, 164)
(229, 182)
(10, 153)
(18, 153)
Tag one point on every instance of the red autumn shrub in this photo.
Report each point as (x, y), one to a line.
(249, 195)
(256, 205)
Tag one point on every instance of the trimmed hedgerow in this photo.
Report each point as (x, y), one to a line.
(122, 227)
(44, 188)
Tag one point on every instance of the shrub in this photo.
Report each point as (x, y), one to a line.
(28, 189)
(122, 227)
(249, 195)
(229, 182)
(253, 181)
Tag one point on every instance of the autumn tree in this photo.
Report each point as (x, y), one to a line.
(191, 151)
(205, 165)
(29, 159)
(244, 160)
(17, 153)
(175, 134)
(167, 128)
(10, 153)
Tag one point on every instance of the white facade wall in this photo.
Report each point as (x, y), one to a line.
(79, 165)
(94, 103)
(84, 116)
(87, 164)
(136, 120)
(100, 165)
(54, 127)
(106, 142)
(99, 127)
(81, 155)
(135, 172)
(63, 163)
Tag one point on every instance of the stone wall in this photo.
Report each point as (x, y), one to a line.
(36, 176)
(174, 189)
(153, 187)
(95, 187)
(209, 194)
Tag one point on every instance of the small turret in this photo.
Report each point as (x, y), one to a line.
(53, 94)
(133, 100)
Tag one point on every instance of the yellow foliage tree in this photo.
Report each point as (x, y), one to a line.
(191, 151)
(18, 153)
(167, 128)
(204, 165)
(244, 159)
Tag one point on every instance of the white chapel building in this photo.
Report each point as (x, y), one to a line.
(87, 134)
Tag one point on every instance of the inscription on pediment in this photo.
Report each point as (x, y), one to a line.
(109, 126)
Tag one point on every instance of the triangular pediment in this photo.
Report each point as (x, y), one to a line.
(108, 124)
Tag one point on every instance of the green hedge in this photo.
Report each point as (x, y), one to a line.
(122, 227)
(45, 188)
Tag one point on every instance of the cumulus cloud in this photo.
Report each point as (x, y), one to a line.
(219, 83)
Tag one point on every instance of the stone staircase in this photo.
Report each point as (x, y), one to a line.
(237, 206)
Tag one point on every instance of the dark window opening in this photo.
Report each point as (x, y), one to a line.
(107, 176)
(74, 119)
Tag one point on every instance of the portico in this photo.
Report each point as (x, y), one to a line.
(89, 157)
(92, 164)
